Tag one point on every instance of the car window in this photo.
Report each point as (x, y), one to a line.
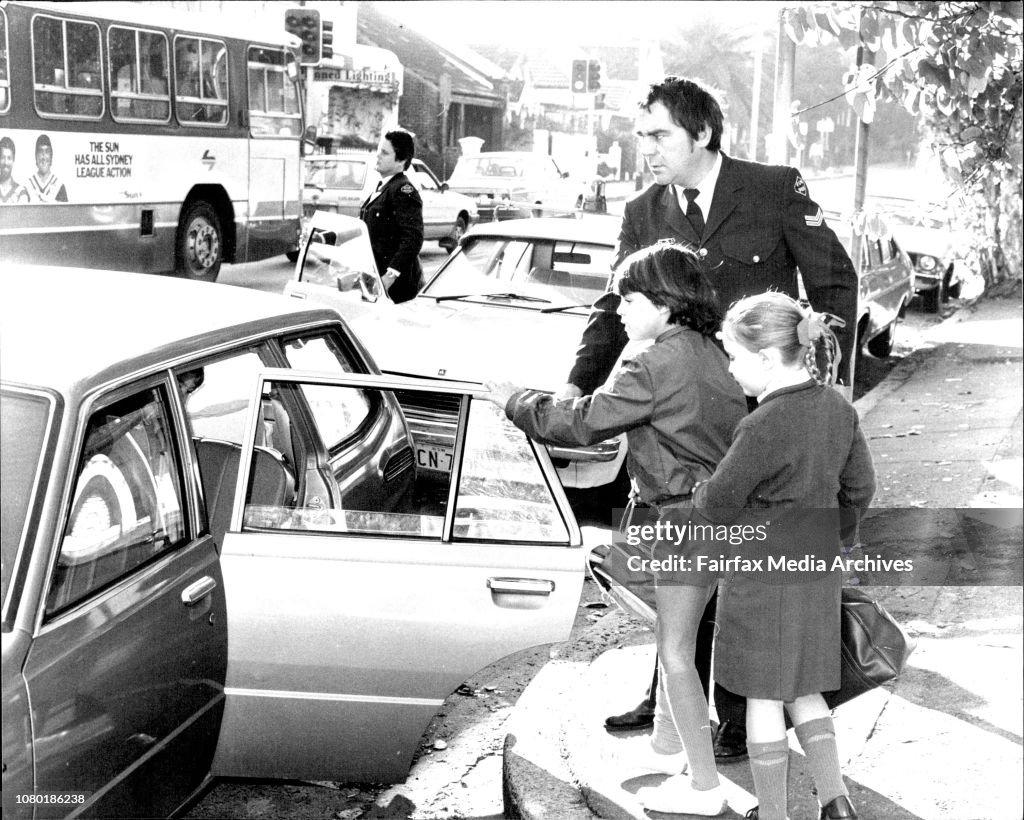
(874, 253)
(217, 395)
(422, 180)
(560, 272)
(482, 265)
(26, 420)
(338, 415)
(342, 259)
(126, 506)
(400, 484)
(336, 173)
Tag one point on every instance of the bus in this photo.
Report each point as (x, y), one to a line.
(135, 137)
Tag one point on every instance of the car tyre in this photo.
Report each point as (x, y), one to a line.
(882, 345)
(199, 247)
(931, 300)
(451, 242)
(292, 256)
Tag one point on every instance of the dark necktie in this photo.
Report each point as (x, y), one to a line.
(693, 212)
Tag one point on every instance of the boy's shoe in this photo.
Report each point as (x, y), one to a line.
(839, 809)
(650, 761)
(677, 796)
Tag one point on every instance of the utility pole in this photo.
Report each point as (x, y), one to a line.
(785, 59)
(860, 161)
(755, 103)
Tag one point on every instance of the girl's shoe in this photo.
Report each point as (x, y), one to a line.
(753, 814)
(677, 796)
(650, 761)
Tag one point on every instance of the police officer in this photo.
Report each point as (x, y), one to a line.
(394, 218)
(754, 225)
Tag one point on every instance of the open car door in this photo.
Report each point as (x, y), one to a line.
(390, 537)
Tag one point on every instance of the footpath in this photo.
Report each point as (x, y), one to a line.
(944, 741)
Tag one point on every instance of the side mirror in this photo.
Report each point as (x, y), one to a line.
(444, 186)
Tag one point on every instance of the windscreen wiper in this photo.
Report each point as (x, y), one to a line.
(561, 308)
(519, 297)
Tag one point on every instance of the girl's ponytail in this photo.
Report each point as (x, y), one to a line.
(776, 320)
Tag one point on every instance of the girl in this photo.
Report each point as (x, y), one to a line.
(797, 462)
(678, 407)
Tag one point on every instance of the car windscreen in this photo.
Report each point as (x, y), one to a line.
(336, 173)
(22, 444)
(555, 272)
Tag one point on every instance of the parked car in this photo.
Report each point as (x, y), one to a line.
(886, 278)
(926, 232)
(510, 303)
(169, 617)
(516, 184)
(342, 182)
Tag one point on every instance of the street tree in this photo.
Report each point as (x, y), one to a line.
(958, 65)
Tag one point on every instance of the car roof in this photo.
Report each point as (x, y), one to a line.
(65, 326)
(346, 156)
(506, 154)
(595, 229)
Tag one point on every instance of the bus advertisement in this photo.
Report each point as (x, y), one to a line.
(138, 138)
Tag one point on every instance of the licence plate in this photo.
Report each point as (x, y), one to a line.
(432, 457)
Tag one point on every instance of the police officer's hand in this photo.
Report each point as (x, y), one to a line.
(389, 278)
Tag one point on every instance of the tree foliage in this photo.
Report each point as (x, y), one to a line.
(958, 65)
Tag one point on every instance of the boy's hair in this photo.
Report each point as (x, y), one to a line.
(403, 144)
(43, 141)
(776, 320)
(7, 142)
(692, 106)
(673, 276)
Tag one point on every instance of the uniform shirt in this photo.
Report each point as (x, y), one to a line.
(52, 190)
(18, 194)
(675, 401)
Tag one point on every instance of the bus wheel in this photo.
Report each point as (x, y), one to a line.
(200, 244)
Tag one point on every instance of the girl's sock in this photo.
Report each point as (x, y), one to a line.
(689, 711)
(769, 763)
(818, 740)
(665, 739)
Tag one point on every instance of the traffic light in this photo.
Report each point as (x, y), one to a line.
(594, 76)
(578, 83)
(327, 40)
(305, 24)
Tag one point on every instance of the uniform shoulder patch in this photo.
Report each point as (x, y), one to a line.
(800, 186)
(407, 188)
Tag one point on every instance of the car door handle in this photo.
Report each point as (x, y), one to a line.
(521, 586)
(194, 593)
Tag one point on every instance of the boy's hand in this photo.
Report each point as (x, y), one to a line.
(501, 392)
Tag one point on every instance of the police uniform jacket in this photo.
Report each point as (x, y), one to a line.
(762, 227)
(394, 219)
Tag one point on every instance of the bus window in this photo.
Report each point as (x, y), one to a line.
(138, 74)
(273, 97)
(68, 81)
(5, 66)
(201, 81)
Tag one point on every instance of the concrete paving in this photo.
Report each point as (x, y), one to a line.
(944, 741)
